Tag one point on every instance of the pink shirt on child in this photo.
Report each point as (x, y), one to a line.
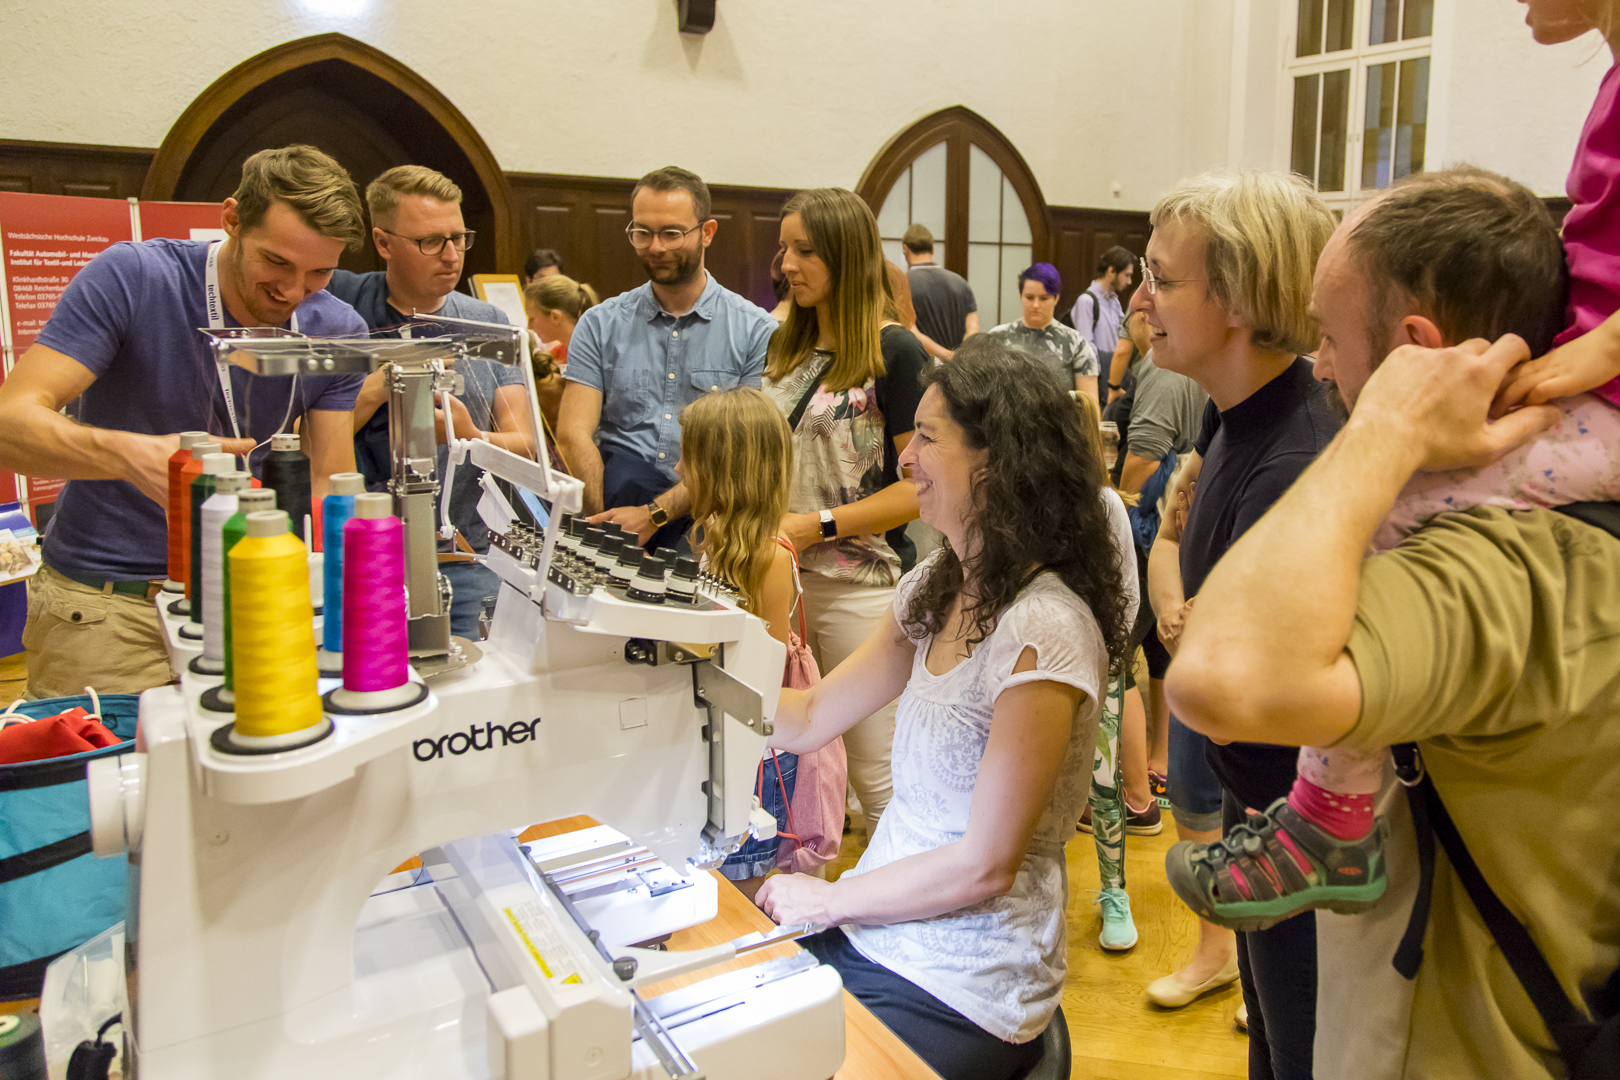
(1592, 226)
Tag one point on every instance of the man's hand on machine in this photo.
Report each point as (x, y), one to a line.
(637, 519)
(797, 898)
(146, 460)
(465, 428)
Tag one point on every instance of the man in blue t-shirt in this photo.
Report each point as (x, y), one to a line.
(417, 226)
(638, 359)
(124, 346)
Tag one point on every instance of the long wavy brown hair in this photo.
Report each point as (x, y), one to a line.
(737, 462)
(844, 235)
(1036, 505)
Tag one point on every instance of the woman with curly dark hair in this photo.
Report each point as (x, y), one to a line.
(951, 928)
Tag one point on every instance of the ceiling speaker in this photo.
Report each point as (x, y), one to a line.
(696, 16)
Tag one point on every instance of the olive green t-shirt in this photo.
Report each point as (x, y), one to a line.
(1492, 638)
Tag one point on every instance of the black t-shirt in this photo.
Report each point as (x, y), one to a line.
(943, 302)
(1252, 452)
(898, 390)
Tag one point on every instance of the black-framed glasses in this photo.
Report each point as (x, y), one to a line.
(1153, 281)
(432, 245)
(641, 238)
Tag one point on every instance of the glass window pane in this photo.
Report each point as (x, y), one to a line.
(1335, 130)
(896, 212)
(928, 189)
(984, 277)
(1014, 260)
(1378, 126)
(1308, 37)
(1014, 221)
(1341, 25)
(1418, 20)
(984, 197)
(892, 250)
(1385, 22)
(1411, 117)
(1303, 158)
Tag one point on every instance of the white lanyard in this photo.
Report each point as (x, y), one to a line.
(216, 321)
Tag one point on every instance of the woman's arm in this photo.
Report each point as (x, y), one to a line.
(1028, 745)
(1165, 589)
(879, 512)
(868, 679)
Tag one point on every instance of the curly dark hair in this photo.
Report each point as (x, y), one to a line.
(1037, 505)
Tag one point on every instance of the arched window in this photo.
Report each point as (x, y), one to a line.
(956, 174)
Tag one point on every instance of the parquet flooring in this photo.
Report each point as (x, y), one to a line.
(1115, 1033)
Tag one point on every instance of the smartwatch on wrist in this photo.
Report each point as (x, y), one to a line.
(658, 515)
(829, 527)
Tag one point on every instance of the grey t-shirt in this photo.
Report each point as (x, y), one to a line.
(943, 301)
(1167, 415)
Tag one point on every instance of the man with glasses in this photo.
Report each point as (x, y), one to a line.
(417, 226)
(638, 359)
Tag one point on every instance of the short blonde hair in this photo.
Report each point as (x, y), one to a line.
(559, 292)
(383, 194)
(1263, 232)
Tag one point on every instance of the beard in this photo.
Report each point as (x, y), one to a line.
(252, 300)
(1336, 402)
(681, 268)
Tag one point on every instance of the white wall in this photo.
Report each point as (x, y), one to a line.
(1094, 93)
(1512, 105)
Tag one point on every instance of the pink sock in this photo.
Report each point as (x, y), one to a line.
(1348, 817)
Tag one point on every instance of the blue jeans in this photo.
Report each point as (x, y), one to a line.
(1278, 967)
(1195, 792)
(470, 584)
(757, 857)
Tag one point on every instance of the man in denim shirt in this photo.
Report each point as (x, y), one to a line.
(638, 359)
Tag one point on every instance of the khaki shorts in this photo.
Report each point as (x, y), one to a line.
(78, 636)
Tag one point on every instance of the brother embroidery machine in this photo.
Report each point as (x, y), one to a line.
(260, 940)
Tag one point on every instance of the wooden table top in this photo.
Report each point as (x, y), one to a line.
(871, 1051)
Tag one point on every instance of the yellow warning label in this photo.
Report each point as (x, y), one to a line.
(562, 967)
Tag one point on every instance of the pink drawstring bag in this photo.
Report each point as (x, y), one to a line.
(816, 811)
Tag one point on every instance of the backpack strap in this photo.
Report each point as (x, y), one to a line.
(804, 399)
(1096, 311)
(798, 589)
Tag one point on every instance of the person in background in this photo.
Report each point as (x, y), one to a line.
(419, 232)
(123, 344)
(846, 374)
(946, 310)
(1100, 316)
(952, 928)
(554, 305)
(637, 360)
(541, 263)
(1240, 334)
(1062, 350)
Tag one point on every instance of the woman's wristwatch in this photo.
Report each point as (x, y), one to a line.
(829, 527)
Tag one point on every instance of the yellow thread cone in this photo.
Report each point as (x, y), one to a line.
(272, 635)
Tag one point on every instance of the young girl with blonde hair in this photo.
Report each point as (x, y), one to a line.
(737, 464)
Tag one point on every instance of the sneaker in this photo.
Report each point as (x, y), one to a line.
(1149, 822)
(1118, 931)
(1160, 787)
(1274, 866)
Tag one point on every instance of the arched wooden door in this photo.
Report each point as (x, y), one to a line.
(957, 174)
(358, 104)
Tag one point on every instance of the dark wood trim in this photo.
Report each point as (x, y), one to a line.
(170, 161)
(958, 126)
(44, 168)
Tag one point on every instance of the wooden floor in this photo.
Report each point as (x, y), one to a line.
(13, 679)
(1115, 1033)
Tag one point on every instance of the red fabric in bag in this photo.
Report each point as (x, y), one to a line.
(817, 807)
(72, 732)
